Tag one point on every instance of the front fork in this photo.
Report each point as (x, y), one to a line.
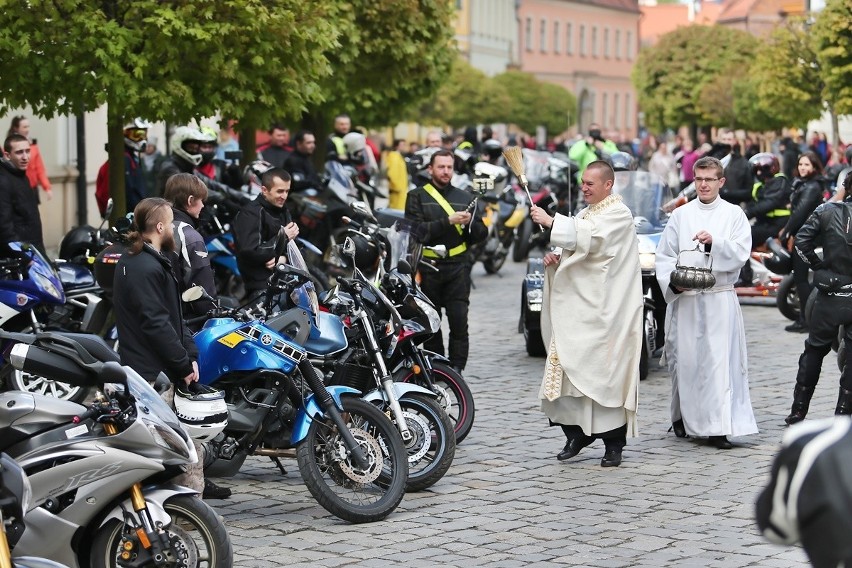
(386, 378)
(158, 547)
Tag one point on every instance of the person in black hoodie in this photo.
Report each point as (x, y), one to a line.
(738, 176)
(807, 195)
(256, 229)
(19, 216)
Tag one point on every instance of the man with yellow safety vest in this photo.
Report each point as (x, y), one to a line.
(441, 214)
(769, 205)
(335, 149)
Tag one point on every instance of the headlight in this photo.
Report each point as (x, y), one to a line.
(170, 440)
(48, 286)
(647, 260)
(431, 314)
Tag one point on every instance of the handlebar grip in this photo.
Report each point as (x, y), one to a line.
(86, 415)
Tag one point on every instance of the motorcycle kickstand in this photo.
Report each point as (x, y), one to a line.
(277, 462)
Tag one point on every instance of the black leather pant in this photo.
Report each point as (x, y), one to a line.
(449, 289)
(829, 313)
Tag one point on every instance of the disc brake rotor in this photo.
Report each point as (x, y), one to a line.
(182, 546)
(373, 451)
(421, 437)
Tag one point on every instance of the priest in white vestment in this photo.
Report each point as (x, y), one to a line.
(705, 347)
(591, 319)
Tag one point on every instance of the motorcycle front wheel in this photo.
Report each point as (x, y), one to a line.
(787, 298)
(521, 248)
(433, 442)
(454, 395)
(345, 490)
(196, 535)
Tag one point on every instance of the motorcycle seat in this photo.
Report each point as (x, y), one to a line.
(94, 345)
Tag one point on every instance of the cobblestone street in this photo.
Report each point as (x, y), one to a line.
(506, 501)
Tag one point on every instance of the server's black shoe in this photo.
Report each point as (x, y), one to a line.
(611, 458)
(213, 491)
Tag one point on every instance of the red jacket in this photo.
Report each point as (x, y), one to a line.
(36, 172)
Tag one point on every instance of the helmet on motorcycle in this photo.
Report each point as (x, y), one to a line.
(76, 243)
(201, 410)
(136, 134)
(366, 252)
(186, 143)
(253, 175)
(780, 262)
(492, 149)
(356, 146)
(764, 165)
(623, 162)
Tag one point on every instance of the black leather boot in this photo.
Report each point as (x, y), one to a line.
(801, 401)
(844, 402)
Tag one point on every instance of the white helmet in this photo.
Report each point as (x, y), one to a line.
(184, 134)
(136, 134)
(201, 410)
(253, 175)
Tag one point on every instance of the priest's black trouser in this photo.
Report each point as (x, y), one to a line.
(829, 313)
(613, 439)
(449, 288)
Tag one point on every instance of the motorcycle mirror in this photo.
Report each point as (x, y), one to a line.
(349, 248)
(403, 267)
(192, 294)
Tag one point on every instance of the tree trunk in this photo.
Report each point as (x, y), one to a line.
(835, 129)
(248, 144)
(115, 153)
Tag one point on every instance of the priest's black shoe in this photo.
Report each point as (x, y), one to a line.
(611, 458)
(721, 442)
(573, 447)
(213, 491)
(679, 429)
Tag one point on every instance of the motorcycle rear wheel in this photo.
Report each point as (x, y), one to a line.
(430, 453)
(14, 379)
(787, 298)
(521, 248)
(344, 490)
(454, 395)
(196, 526)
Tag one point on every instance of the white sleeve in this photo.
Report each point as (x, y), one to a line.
(563, 232)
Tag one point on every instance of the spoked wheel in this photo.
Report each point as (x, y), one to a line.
(197, 538)
(432, 446)
(453, 394)
(14, 379)
(345, 490)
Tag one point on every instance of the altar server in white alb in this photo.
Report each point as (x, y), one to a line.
(705, 346)
(591, 319)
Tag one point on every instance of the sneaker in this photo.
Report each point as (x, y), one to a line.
(213, 491)
(797, 327)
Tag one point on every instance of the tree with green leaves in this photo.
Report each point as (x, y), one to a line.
(178, 60)
(392, 55)
(832, 36)
(671, 75)
(535, 103)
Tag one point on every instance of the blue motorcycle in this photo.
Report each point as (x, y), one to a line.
(35, 296)
(350, 455)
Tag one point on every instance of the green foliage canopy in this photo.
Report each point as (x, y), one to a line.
(670, 76)
(832, 34)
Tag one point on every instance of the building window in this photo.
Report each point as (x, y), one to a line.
(629, 46)
(569, 38)
(543, 37)
(618, 44)
(555, 37)
(459, 4)
(615, 123)
(582, 40)
(628, 111)
(528, 34)
(594, 41)
(606, 43)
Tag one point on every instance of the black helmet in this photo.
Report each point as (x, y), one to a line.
(848, 154)
(780, 262)
(366, 252)
(77, 243)
(493, 149)
(623, 162)
(105, 264)
(764, 165)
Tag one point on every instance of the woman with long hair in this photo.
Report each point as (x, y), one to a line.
(807, 195)
(36, 172)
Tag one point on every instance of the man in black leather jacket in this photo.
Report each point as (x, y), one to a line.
(439, 215)
(256, 229)
(299, 164)
(19, 216)
(831, 227)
